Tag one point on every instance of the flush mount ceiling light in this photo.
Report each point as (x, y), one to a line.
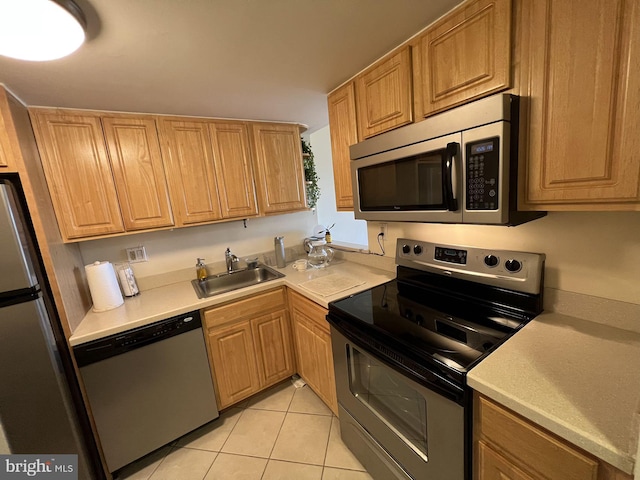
(40, 30)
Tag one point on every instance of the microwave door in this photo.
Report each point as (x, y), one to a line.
(414, 183)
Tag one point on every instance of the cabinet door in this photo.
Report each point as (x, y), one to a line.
(344, 133)
(280, 175)
(138, 171)
(190, 170)
(466, 55)
(313, 348)
(232, 158)
(384, 95)
(78, 173)
(272, 341)
(493, 466)
(234, 362)
(5, 120)
(581, 72)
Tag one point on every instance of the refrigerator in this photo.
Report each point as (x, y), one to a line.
(41, 407)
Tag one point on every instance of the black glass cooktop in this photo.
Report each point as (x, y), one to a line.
(427, 326)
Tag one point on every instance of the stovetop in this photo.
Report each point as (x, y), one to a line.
(443, 320)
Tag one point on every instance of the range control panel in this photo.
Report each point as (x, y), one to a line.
(514, 270)
(481, 176)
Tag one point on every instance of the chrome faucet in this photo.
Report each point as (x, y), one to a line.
(231, 260)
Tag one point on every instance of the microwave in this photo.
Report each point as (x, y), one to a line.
(459, 166)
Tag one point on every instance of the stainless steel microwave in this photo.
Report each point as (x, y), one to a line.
(459, 166)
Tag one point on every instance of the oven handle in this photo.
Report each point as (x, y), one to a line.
(429, 379)
(448, 165)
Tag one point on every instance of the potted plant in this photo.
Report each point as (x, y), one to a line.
(310, 175)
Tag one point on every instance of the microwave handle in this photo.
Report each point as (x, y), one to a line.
(450, 153)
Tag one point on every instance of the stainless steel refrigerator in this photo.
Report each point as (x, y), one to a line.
(41, 409)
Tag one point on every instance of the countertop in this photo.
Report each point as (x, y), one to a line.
(576, 378)
(177, 298)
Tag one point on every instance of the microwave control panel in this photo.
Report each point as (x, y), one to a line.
(481, 176)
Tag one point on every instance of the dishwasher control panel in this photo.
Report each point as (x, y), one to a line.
(103, 348)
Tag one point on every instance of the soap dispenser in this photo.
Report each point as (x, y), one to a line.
(201, 269)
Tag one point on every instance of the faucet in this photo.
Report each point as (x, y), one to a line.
(231, 260)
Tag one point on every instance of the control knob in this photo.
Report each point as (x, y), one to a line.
(491, 260)
(406, 249)
(513, 265)
(417, 249)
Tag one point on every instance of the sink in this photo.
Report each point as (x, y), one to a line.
(226, 282)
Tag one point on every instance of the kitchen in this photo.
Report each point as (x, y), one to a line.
(581, 266)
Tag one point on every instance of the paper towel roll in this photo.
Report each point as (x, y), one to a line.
(103, 286)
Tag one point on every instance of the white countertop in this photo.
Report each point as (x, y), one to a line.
(578, 379)
(177, 298)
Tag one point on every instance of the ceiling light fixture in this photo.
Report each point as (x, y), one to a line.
(40, 30)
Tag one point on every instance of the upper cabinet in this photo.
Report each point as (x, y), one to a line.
(344, 132)
(114, 173)
(279, 171)
(580, 75)
(78, 173)
(6, 163)
(138, 171)
(233, 164)
(192, 176)
(384, 95)
(464, 56)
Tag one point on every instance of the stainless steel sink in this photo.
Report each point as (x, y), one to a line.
(226, 282)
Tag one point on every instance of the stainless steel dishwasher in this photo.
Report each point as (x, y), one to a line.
(147, 386)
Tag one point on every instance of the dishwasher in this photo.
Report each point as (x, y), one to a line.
(147, 386)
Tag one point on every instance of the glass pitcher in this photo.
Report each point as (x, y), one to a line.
(319, 255)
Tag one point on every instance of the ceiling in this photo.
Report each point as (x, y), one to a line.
(252, 59)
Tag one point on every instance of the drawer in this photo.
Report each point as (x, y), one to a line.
(309, 309)
(252, 306)
(529, 445)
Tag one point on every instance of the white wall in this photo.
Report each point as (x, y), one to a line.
(171, 250)
(346, 229)
(594, 253)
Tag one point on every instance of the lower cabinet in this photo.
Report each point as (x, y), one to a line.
(249, 343)
(312, 340)
(508, 447)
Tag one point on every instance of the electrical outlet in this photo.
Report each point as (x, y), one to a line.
(137, 254)
(383, 229)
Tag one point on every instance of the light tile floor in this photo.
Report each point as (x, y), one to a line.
(280, 434)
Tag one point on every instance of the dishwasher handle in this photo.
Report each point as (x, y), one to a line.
(119, 343)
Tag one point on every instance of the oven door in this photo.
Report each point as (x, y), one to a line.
(418, 182)
(396, 427)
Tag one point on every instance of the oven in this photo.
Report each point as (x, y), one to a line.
(402, 350)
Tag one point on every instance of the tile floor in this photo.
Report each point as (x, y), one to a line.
(280, 434)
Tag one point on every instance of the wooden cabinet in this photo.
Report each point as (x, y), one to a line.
(232, 158)
(464, 56)
(580, 73)
(384, 93)
(313, 347)
(6, 161)
(105, 172)
(138, 171)
(508, 447)
(209, 164)
(234, 362)
(344, 133)
(249, 343)
(78, 172)
(279, 171)
(190, 169)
